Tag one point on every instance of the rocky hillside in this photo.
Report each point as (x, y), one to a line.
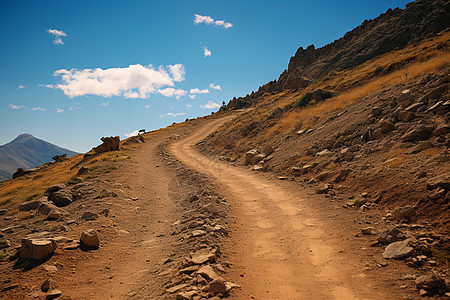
(384, 134)
(392, 30)
(27, 152)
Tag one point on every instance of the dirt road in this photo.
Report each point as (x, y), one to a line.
(284, 242)
(282, 245)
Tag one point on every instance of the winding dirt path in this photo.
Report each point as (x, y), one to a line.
(283, 246)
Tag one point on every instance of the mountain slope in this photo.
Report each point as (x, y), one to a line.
(390, 31)
(380, 128)
(27, 152)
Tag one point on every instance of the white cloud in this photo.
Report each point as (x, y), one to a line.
(134, 133)
(210, 105)
(21, 87)
(59, 110)
(177, 72)
(206, 51)
(193, 96)
(171, 92)
(198, 91)
(215, 86)
(172, 114)
(13, 106)
(57, 34)
(147, 106)
(38, 108)
(223, 24)
(188, 105)
(105, 104)
(134, 81)
(176, 115)
(74, 108)
(198, 19)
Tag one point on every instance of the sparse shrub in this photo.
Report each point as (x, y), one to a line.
(317, 95)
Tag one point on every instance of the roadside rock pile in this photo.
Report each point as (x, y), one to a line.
(194, 269)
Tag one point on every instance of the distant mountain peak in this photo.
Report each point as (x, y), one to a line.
(22, 137)
(26, 152)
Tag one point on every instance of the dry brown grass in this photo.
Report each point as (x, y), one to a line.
(355, 84)
(34, 185)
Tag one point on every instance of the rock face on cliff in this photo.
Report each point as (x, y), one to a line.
(394, 29)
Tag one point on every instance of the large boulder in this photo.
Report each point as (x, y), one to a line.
(109, 144)
(37, 249)
(252, 157)
(89, 239)
(61, 198)
(418, 133)
(398, 250)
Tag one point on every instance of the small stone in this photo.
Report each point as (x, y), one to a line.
(32, 205)
(176, 288)
(398, 250)
(89, 216)
(220, 268)
(392, 234)
(4, 243)
(323, 188)
(90, 239)
(217, 286)
(50, 269)
(186, 295)
(368, 231)
(71, 246)
(198, 233)
(208, 273)
(404, 213)
(231, 285)
(203, 258)
(45, 286)
(54, 214)
(53, 294)
(423, 292)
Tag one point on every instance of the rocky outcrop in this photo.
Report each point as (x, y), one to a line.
(109, 144)
(394, 29)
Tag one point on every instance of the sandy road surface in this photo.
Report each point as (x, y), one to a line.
(281, 248)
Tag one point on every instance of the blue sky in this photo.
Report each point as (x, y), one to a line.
(74, 71)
